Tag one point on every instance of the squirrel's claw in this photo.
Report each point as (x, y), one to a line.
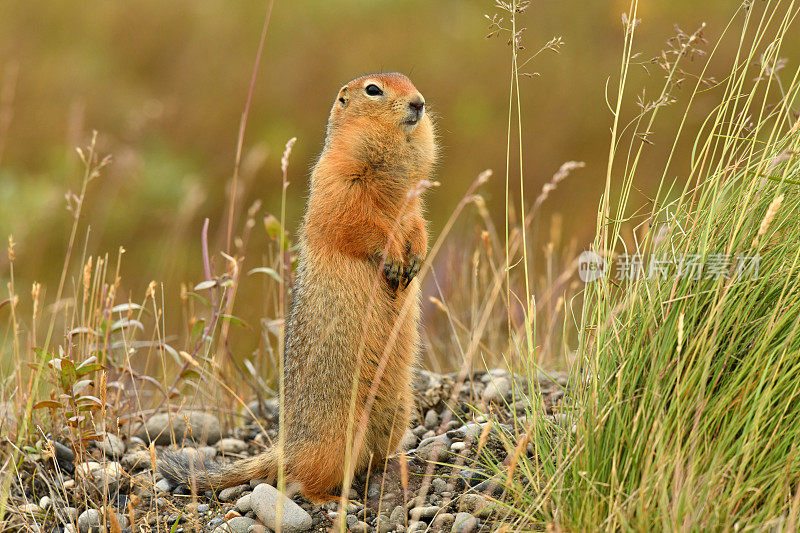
(393, 272)
(411, 270)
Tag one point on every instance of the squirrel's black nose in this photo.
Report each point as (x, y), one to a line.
(417, 104)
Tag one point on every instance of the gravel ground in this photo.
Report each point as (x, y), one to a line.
(112, 486)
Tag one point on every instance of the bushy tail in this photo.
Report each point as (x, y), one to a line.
(203, 474)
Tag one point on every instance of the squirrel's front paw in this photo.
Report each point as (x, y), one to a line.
(393, 271)
(411, 269)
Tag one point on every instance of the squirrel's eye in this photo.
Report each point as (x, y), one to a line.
(373, 90)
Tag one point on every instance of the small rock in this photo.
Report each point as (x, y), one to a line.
(417, 527)
(112, 445)
(470, 478)
(398, 515)
(431, 419)
(477, 504)
(385, 524)
(439, 485)
(164, 485)
(239, 524)
(202, 508)
(89, 518)
(359, 527)
(67, 514)
(229, 445)
(437, 445)
(497, 390)
(409, 441)
(216, 521)
(45, 502)
(135, 444)
(30, 508)
(459, 446)
(351, 520)
(269, 409)
(232, 493)
(207, 452)
(243, 503)
(442, 522)
(63, 452)
(136, 460)
(69, 484)
(194, 425)
(265, 500)
(464, 523)
(418, 513)
(258, 528)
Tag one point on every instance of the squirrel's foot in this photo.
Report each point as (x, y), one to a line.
(410, 270)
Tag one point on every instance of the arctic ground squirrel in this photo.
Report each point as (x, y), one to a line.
(351, 338)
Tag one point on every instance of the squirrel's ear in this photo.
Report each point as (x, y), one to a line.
(343, 97)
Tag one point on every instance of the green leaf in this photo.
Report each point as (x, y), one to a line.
(203, 285)
(50, 404)
(268, 271)
(197, 329)
(199, 298)
(235, 320)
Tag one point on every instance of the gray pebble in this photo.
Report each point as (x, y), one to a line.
(67, 514)
(442, 522)
(201, 427)
(136, 460)
(439, 485)
(385, 524)
(477, 504)
(231, 445)
(409, 440)
(112, 445)
(431, 446)
(360, 527)
(30, 508)
(63, 452)
(238, 524)
(164, 485)
(418, 513)
(243, 504)
(464, 523)
(351, 521)
(416, 527)
(45, 502)
(232, 493)
(202, 508)
(431, 419)
(497, 390)
(265, 500)
(89, 518)
(398, 515)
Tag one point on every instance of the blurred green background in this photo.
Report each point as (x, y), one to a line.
(165, 84)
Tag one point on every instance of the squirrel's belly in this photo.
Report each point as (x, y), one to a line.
(345, 321)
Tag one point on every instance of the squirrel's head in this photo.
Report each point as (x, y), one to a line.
(382, 110)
